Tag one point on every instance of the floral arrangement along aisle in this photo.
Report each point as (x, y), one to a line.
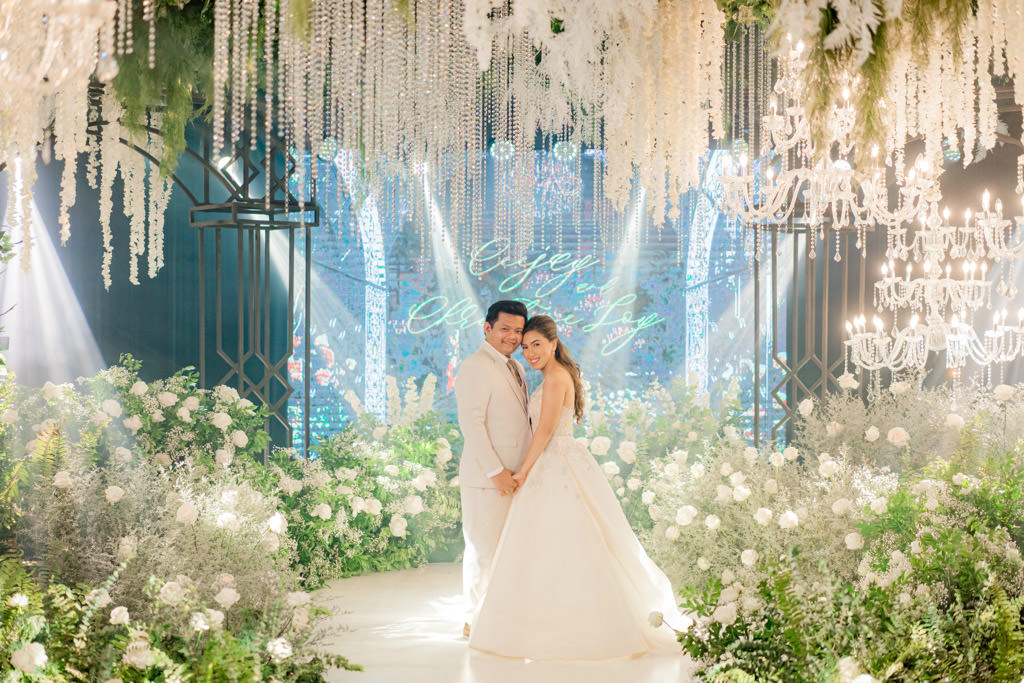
(883, 544)
(133, 550)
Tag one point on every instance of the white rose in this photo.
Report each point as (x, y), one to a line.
(277, 523)
(398, 525)
(187, 514)
(633, 483)
(62, 480)
(655, 512)
(443, 457)
(627, 452)
(289, 485)
(1003, 392)
(725, 614)
(728, 576)
(114, 493)
(854, 541)
(227, 597)
(166, 399)
(806, 407)
(848, 381)
(10, 416)
(139, 388)
(703, 564)
(954, 421)
(828, 468)
(111, 408)
(297, 598)
(834, 429)
(788, 520)
(871, 434)
(239, 438)
(647, 497)
(697, 471)
(771, 486)
(323, 511)
(122, 454)
(655, 619)
(133, 423)
(102, 599)
(712, 522)
(600, 445)
(183, 414)
(672, 470)
(898, 388)
(931, 503)
(391, 470)
(685, 515)
(620, 492)
(119, 616)
(357, 504)
(679, 457)
(279, 649)
(692, 436)
(776, 459)
(790, 453)
(300, 619)
(898, 437)
(374, 506)
(172, 592)
(229, 521)
(199, 622)
(221, 421)
(959, 478)
(29, 658)
(610, 468)
(99, 418)
(18, 600)
(192, 403)
(749, 557)
(737, 478)
(672, 533)
(763, 516)
(379, 432)
(245, 404)
(880, 505)
(223, 457)
(215, 617)
(157, 416)
(731, 433)
(413, 505)
(723, 494)
(740, 493)
(841, 506)
(229, 497)
(725, 469)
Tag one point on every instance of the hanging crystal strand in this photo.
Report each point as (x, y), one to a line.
(221, 74)
(69, 127)
(124, 19)
(270, 29)
(109, 156)
(149, 16)
(239, 72)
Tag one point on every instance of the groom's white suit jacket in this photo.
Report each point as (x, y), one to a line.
(493, 416)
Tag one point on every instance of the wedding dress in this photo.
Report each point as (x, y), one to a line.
(570, 580)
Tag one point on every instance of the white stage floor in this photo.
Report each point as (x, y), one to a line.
(406, 626)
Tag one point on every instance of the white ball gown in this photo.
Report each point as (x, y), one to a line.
(570, 580)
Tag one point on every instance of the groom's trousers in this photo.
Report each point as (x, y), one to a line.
(483, 515)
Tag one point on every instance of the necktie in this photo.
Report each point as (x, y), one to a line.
(519, 380)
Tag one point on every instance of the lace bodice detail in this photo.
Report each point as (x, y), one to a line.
(564, 427)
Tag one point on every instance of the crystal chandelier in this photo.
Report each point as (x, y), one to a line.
(768, 191)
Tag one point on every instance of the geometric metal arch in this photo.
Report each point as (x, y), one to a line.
(222, 203)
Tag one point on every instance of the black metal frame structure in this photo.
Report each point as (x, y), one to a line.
(247, 204)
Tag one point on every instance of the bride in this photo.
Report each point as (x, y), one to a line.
(570, 580)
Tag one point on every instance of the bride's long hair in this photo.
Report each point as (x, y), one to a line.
(546, 327)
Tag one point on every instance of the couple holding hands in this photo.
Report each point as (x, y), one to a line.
(552, 569)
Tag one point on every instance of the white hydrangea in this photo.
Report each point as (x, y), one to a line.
(600, 445)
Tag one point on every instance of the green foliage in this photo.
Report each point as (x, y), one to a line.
(181, 76)
(741, 15)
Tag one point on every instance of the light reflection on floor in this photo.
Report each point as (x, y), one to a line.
(406, 626)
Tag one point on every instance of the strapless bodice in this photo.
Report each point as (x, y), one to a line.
(565, 423)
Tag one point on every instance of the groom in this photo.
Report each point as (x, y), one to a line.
(491, 392)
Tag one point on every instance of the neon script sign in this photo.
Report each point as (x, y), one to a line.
(542, 276)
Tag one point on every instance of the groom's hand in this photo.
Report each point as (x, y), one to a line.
(504, 482)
